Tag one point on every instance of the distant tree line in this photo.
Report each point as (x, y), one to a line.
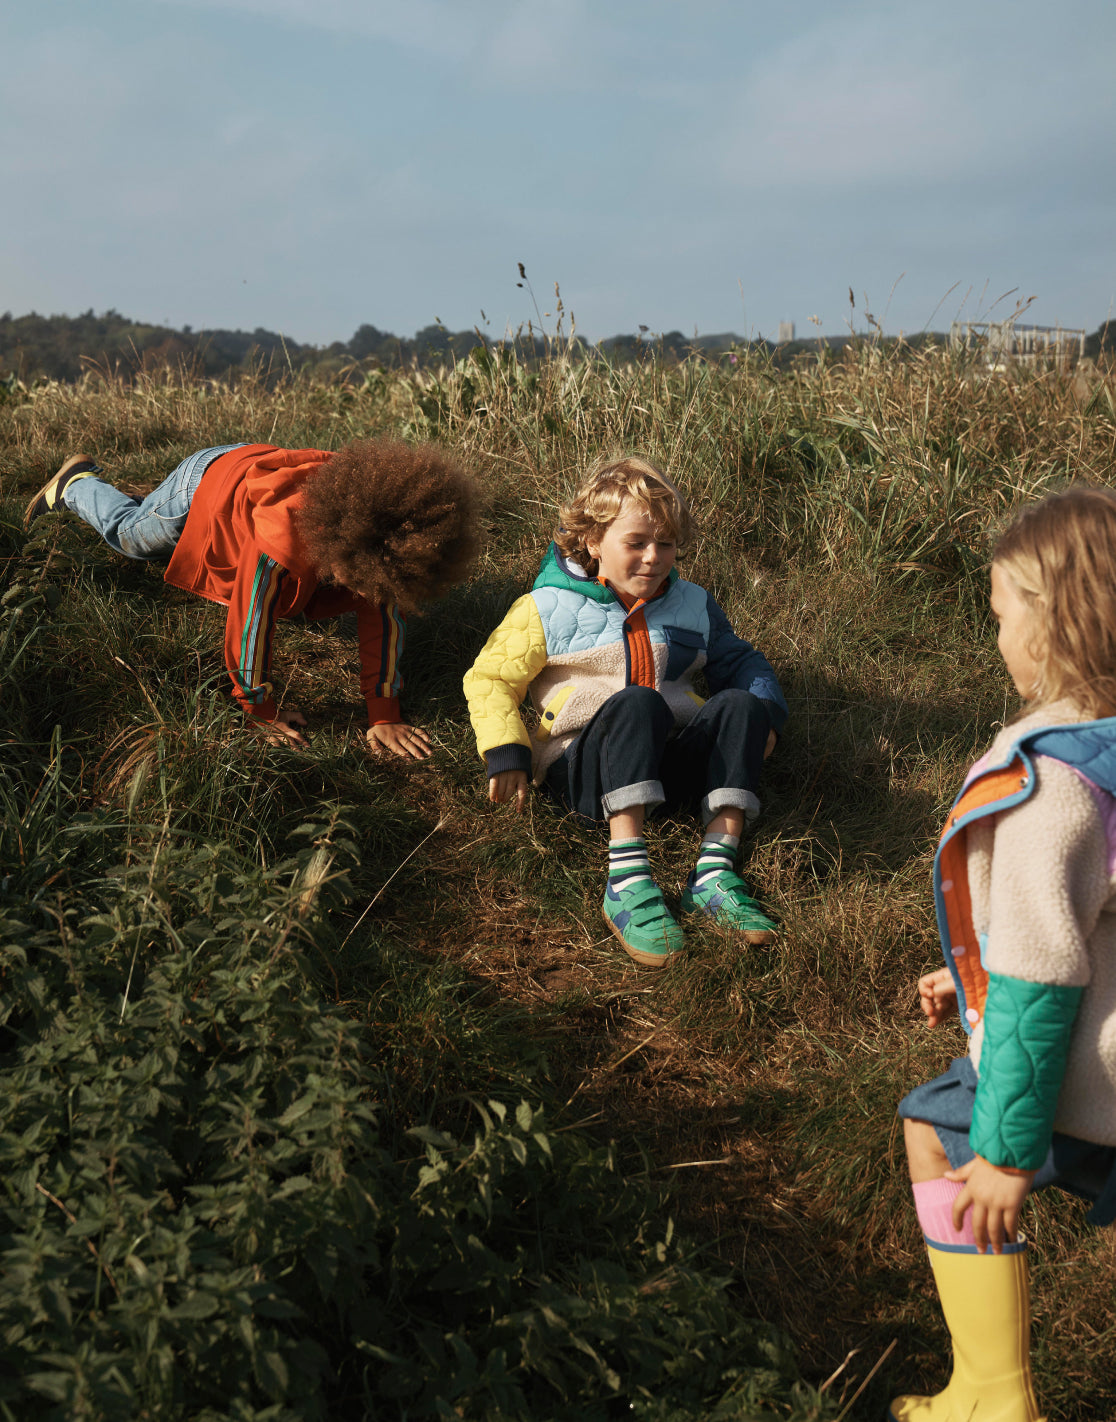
(63, 347)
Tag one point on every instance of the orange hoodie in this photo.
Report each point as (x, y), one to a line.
(240, 547)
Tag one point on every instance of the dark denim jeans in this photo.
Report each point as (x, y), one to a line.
(629, 755)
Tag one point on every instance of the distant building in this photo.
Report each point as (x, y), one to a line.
(1005, 342)
(786, 332)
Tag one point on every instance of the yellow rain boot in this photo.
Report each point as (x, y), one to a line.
(987, 1307)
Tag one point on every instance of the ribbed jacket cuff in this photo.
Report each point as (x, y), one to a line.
(502, 758)
(265, 711)
(383, 710)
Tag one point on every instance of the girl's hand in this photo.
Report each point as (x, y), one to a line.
(283, 731)
(937, 996)
(996, 1194)
(509, 785)
(409, 742)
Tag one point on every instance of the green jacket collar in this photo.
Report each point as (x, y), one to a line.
(559, 572)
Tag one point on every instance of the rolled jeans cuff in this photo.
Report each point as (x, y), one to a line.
(627, 797)
(729, 798)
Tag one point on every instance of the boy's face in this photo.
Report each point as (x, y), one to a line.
(631, 559)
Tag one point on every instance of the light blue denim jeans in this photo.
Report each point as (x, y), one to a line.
(142, 528)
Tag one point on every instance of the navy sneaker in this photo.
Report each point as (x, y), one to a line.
(78, 466)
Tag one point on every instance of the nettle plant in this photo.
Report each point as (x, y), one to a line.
(198, 1218)
(205, 1209)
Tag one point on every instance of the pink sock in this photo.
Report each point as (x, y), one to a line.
(934, 1207)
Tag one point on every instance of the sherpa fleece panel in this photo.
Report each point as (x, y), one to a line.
(240, 547)
(1043, 891)
(568, 643)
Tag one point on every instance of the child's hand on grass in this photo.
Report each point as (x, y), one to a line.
(772, 742)
(937, 995)
(509, 785)
(996, 1194)
(409, 742)
(283, 731)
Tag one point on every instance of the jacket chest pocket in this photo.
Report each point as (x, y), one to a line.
(549, 713)
(683, 649)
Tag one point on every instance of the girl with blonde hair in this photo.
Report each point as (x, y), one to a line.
(1025, 886)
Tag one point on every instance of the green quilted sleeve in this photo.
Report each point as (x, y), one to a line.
(1027, 1030)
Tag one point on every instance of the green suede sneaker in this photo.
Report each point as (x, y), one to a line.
(642, 922)
(725, 898)
(78, 466)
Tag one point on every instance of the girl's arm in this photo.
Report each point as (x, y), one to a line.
(257, 594)
(1049, 883)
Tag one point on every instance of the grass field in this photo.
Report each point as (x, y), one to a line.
(421, 953)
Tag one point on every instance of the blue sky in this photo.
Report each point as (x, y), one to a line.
(310, 165)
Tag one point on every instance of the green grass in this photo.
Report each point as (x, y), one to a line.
(847, 509)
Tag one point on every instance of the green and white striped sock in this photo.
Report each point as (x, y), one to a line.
(716, 855)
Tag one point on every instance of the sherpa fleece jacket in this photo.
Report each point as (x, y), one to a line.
(573, 643)
(1025, 884)
(240, 547)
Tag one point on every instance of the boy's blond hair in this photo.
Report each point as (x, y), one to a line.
(599, 500)
(1061, 555)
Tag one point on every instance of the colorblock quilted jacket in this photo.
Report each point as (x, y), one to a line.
(572, 643)
(1025, 888)
(240, 547)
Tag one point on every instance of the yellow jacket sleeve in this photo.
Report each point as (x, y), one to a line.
(497, 682)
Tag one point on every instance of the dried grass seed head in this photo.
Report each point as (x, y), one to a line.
(1061, 555)
(391, 521)
(602, 495)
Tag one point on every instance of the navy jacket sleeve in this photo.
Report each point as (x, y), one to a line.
(734, 663)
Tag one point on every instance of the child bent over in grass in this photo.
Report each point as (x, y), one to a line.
(1025, 883)
(608, 642)
(376, 528)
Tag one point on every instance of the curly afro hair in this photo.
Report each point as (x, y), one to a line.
(391, 521)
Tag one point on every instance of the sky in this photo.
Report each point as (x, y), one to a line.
(696, 165)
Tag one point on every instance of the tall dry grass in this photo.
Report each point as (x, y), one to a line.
(846, 511)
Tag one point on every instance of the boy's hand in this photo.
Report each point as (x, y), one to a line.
(996, 1194)
(937, 995)
(509, 785)
(772, 742)
(284, 729)
(410, 742)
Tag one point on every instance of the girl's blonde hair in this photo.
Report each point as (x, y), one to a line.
(599, 500)
(1061, 555)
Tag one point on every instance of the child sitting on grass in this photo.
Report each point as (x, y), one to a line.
(608, 642)
(1026, 894)
(376, 528)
